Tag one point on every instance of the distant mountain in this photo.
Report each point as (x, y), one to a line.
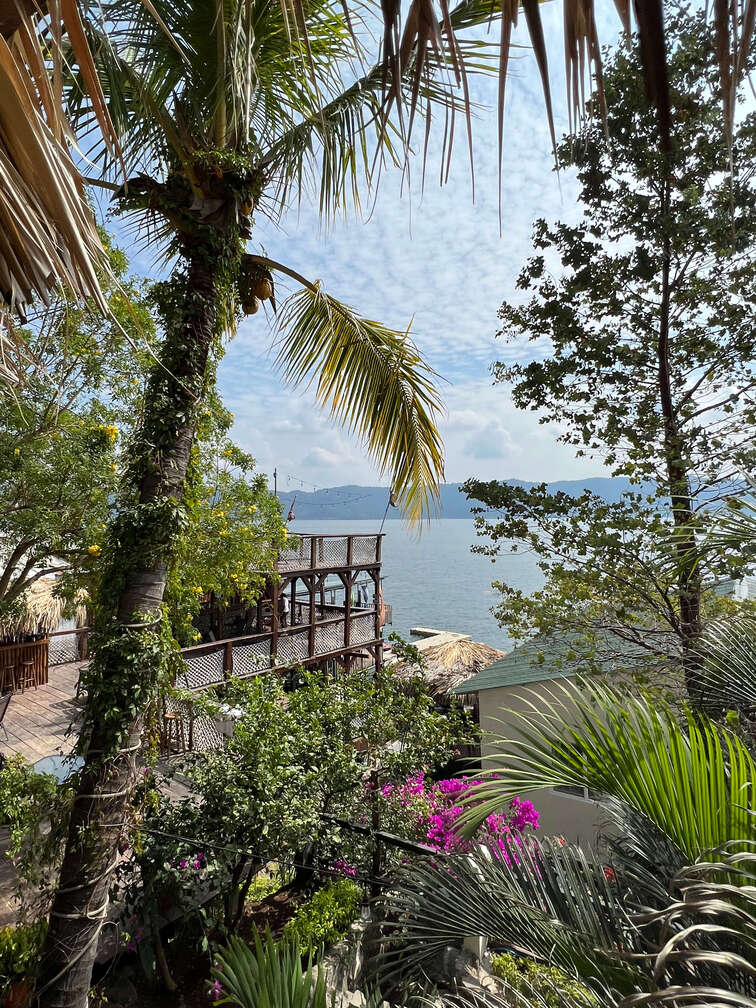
(369, 502)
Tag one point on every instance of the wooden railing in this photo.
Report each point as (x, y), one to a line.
(68, 645)
(330, 552)
(210, 664)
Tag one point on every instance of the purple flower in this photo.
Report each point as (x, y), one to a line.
(183, 863)
(216, 991)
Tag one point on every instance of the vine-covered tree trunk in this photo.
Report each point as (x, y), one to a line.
(689, 586)
(129, 641)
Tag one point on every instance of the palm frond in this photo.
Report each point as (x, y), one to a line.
(693, 780)
(728, 666)
(546, 901)
(47, 232)
(375, 383)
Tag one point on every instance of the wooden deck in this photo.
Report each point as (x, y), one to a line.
(38, 720)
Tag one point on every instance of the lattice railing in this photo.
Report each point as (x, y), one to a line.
(329, 552)
(364, 549)
(251, 658)
(329, 637)
(201, 670)
(64, 648)
(361, 630)
(293, 647)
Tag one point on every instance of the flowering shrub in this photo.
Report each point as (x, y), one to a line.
(430, 812)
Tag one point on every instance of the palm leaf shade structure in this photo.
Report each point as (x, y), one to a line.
(47, 232)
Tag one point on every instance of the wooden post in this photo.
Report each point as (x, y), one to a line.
(378, 544)
(350, 550)
(347, 581)
(313, 553)
(228, 660)
(274, 621)
(312, 620)
(84, 643)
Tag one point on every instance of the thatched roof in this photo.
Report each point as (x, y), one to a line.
(451, 663)
(43, 610)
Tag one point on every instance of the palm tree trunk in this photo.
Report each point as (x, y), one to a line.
(124, 665)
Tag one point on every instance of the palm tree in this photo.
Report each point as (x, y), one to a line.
(666, 915)
(223, 110)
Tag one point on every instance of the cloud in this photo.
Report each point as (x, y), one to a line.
(323, 458)
(434, 256)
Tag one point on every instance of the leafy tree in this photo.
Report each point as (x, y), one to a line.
(234, 109)
(233, 528)
(294, 757)
(642, 353)
(59, 434)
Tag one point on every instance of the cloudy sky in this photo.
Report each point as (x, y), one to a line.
(438, 258)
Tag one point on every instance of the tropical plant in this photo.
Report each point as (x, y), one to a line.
(268, 974)
(19, 953)
(665, 914)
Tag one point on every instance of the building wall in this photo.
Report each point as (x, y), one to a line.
(578, 820)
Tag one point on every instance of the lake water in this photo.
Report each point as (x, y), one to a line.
(435, 581)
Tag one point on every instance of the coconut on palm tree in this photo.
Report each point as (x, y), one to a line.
(223, 112)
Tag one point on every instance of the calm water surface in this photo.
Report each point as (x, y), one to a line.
(435, 581)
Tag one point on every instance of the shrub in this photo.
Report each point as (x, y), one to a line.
(551, 986)
(26, 798)
(324, 919)
(19, 952)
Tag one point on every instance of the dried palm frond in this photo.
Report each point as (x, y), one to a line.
(48, 236)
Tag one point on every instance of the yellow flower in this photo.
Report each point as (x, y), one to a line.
(197, 637)
(134, 381)
(251, 510)
(93, 550)
(16, 451)
(113, 468)
(197, 590)
(285, 534)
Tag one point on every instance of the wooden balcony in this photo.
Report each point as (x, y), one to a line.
(211, 664)
(315, 552)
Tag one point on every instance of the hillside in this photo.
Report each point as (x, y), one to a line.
(369, 502)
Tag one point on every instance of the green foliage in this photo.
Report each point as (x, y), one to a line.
(61, 434)
(293, 756)
(26, 798)
(528, 977)
(325, 918)
(20, 947)
(269, 975)
(233, 528)
(634, 336)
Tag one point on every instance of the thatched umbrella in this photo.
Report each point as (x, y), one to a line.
(451, 663)
(43, 611)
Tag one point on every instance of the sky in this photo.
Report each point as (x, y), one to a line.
(437, 258)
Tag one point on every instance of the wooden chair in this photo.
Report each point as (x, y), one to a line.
(173, 733)
(27, 676)
(7, 679)
(4, 702)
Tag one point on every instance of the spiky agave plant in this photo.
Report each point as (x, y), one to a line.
(267, 974)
